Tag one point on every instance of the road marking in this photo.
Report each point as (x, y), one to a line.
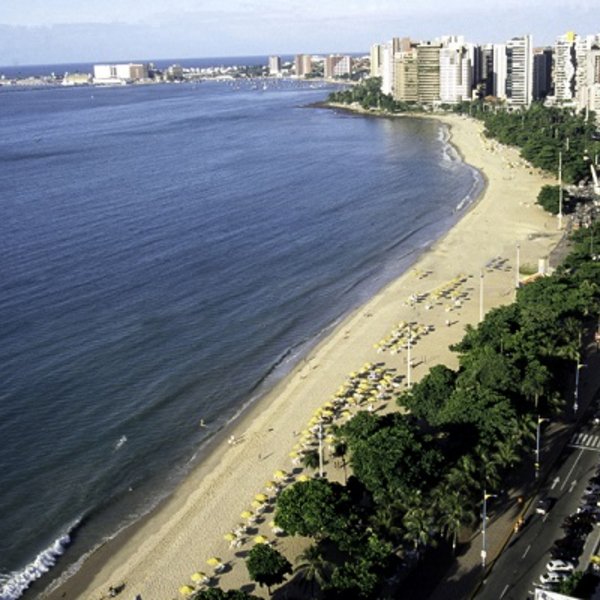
(572, 486)
(584, 447)
(571, 469)
(526, 551)
(585, 440)
(545, 517)
(555, 482)
(504, 590)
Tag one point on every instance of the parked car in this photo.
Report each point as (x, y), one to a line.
(544, 505)
(552, 577)
(564, 566)
(591, 488)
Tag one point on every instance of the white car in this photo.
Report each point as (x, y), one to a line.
(561, 566)
(552, 577)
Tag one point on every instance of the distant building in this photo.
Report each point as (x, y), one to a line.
(499, 73)
(120, 73)
(336, 65)
(428, 72)
(303, 65)
(565, 68)
(405, 76)
(519, 71)
(376, 60)
(76, 79)
(174, 73)
(455, 73)
(275, 66)
(542, 73)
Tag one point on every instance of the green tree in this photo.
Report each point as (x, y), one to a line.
(315, 508)
(267, 566)
(310, 459)
(313, 571)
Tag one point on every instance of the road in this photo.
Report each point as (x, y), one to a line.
(524, 559)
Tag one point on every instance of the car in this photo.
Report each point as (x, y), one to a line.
(544, 505)
(591, 488)
(560, 565)
(552, 577)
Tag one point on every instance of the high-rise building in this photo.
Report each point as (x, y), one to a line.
(542, 73)
(303, 65)
(588, 74)
(499, 79)
(485, 82)
(519, 71)
(274, 66)
(387, 68)
(428, 72)
(337, 65)
(376, 59)
(405, 76)
(455, 73)
(565, 68)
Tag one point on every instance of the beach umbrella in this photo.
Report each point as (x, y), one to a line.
(261, 539)
(270, 485)
(214, 561)
(303, 477)
(186, 590)
(257, 505)
(198, 576)
(293, 454)
(261, 497)
(246, 514)
(328, 405)
(229, 536)
(280, 474)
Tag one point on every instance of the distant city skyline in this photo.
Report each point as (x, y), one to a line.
(63, 31)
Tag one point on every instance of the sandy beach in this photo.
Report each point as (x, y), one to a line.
(439, 295)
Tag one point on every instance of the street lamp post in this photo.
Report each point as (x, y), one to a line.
(409, 358)
(537, 446)
(484, 515)
(321, 449)
(481, 296)
(560, 190)
(576, 393)
(518, 268)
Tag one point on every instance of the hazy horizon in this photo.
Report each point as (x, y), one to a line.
(36, 32)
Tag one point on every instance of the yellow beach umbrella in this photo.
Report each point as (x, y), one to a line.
(293, 454)
(256, 504)
(261, 497)
(303, 477)
(270, 485)
(186, 590)
(280, 474)
(261, 539)
(229, 536)
(214, 561)
(246, 514)
(198, 576)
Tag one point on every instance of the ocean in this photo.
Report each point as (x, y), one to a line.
(169, 252)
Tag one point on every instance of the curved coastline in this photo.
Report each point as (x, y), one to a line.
(159, 552)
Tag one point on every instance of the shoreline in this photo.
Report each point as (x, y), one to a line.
(158, 553)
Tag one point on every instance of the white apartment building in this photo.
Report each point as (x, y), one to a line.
(337, 65)
(565, 68)
(120, 73)
(499, 73)
(455, 73)
(376, 59)
(519, 71)
(387, 68)
(275, 66)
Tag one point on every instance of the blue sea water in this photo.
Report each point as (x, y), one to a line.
(167, 253)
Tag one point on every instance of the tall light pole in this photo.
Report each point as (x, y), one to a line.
(560, 190)
(481, 296)
(518, 268)
(321, 449)
(537, 446)
(409, 358)
(577, 367)
(484, 515)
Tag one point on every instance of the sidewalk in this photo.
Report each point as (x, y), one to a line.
(466, 574)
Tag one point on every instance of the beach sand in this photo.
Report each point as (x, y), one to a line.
(157, 556)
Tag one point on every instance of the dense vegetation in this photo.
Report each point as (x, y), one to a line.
(542, 133)
(368, 95)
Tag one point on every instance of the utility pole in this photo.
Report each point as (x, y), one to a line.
(560, 190)
(481, 296)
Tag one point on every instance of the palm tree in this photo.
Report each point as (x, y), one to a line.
(453, 513)
(311, 459)
(340, 449)
(419, 526)
(313, 571)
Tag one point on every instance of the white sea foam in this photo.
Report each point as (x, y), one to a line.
(121, 442)
(14, 584)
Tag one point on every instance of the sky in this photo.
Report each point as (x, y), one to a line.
(64, 31)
